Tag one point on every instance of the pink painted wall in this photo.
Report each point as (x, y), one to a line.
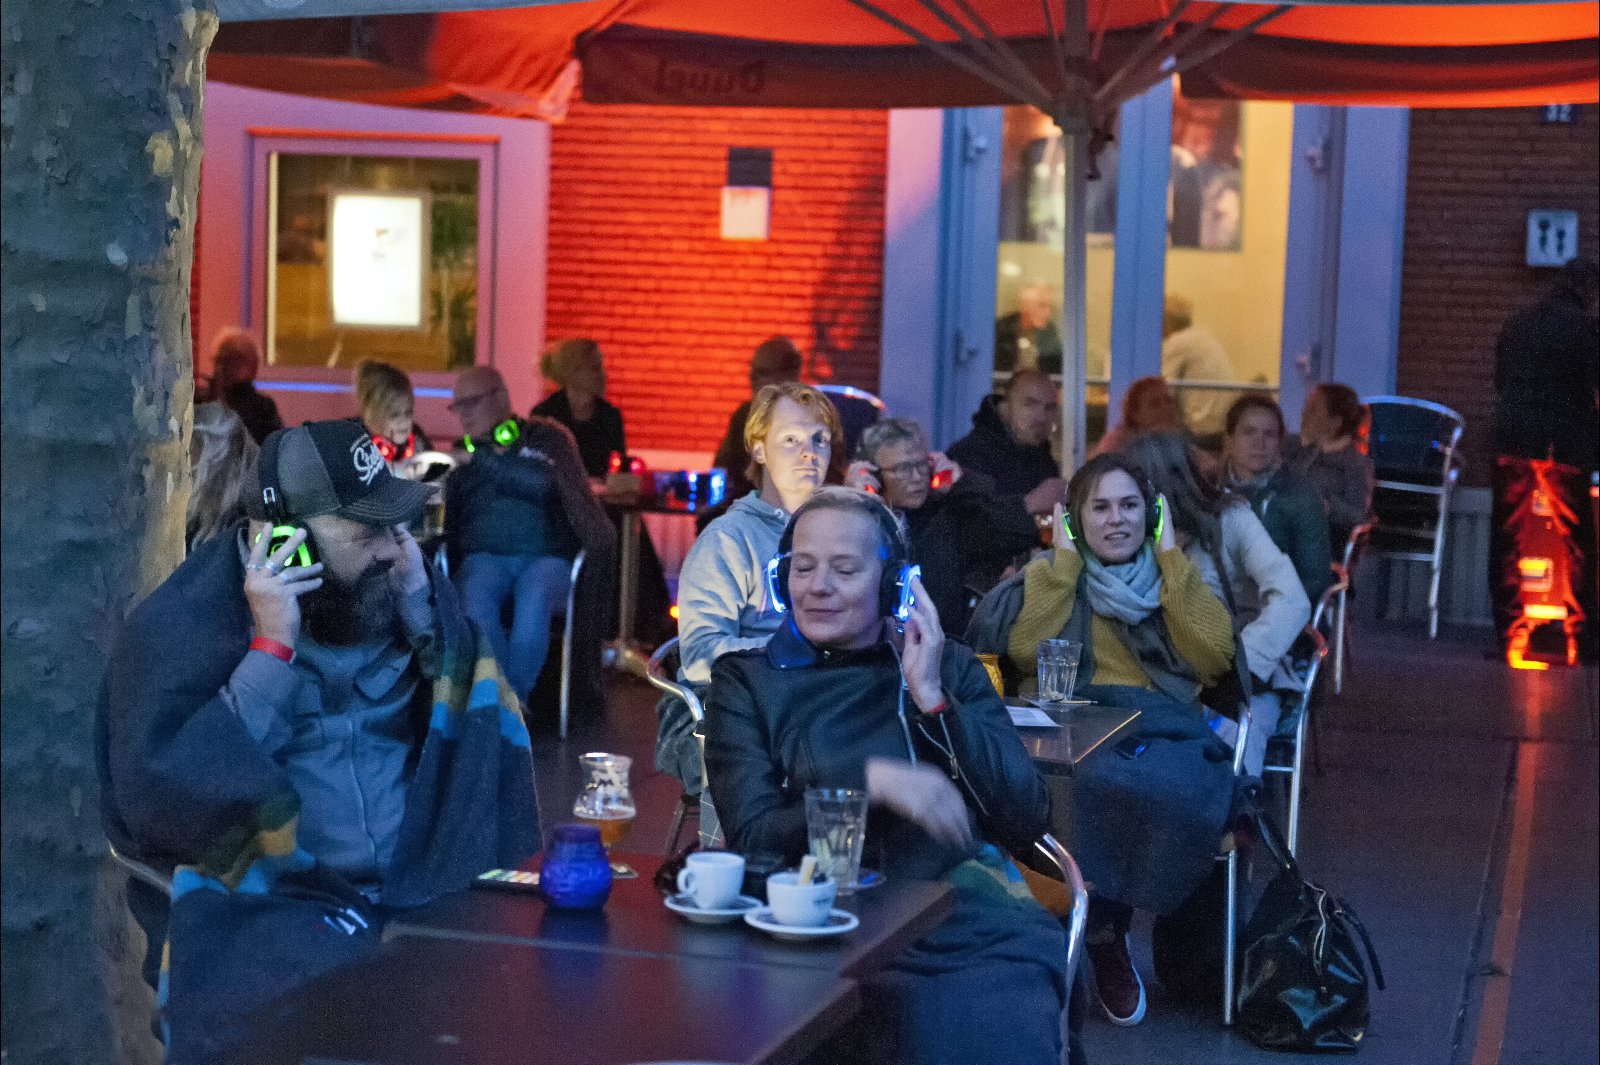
(515, 273)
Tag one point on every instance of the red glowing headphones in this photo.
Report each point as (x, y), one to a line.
(390, 453)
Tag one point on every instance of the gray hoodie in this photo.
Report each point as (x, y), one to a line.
(722, 595)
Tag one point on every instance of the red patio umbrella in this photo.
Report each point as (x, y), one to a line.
(1077, 60)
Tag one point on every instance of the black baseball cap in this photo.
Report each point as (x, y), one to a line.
(332, 467)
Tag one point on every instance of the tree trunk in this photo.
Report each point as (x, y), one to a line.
(100, 137)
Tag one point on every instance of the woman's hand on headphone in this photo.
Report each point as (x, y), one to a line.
(924, 651)
(1168, 539)
(863, 475)
(272, 591)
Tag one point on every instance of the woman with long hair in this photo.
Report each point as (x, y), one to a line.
(220, 452)
(388, 413)
(1327, 453)
(1289, 508)
(1153, 636)
(1241, 565)
(579, 402)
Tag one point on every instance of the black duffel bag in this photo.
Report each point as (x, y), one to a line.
(1304, 980)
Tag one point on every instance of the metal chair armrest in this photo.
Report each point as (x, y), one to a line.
(140, 871)
(656, 674)
(1052, 849)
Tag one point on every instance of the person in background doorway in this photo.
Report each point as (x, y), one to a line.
(220, 454)
(388, 413)
(579, 402)
(1289, 508)
(1010, 441)
(776, 360)
(1327, 455)
(517, 511)
(235, 362)
(1192, 352)
(1028, 338)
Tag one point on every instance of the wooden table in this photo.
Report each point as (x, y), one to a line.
(1082, 730)
(634, 920)
(422, 1001)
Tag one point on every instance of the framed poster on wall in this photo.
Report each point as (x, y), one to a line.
(378, 258)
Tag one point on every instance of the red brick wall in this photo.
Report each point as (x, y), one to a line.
(1473, 177)
(637, 263)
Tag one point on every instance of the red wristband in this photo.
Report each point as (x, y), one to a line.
(273, 648)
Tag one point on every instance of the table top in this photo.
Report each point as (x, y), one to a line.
(893, 916)
(1082, 730)
(443, 1002)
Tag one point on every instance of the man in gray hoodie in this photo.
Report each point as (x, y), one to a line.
(722, 598)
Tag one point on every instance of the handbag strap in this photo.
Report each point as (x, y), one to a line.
(1346, 911)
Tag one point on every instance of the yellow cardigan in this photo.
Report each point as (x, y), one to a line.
(1201, 629)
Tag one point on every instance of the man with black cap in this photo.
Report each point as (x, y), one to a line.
(302, 698)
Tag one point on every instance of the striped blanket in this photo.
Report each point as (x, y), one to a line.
(185, 789)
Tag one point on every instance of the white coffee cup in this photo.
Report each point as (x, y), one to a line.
(712, 878)
(803, 905)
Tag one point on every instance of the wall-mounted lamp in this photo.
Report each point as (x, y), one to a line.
(747, 196)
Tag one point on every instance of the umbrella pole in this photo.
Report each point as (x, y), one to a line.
(1074, 279)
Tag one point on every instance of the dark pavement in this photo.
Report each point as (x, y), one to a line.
(1456, 811)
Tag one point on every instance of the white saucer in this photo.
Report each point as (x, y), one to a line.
(683, 905)
(838, 923)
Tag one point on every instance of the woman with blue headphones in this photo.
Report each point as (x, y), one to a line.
(859, 688)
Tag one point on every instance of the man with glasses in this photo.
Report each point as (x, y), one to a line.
(961, 533)
(517, 510)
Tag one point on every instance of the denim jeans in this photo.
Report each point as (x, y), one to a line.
(536, 586)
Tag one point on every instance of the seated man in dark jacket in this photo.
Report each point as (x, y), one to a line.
(838, 699)
(1010, 442)
(517, 511)
(315, 714)
(962, 534)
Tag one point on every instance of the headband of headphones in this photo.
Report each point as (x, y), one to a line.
(894, 589)
(505, 434)
(276, 507)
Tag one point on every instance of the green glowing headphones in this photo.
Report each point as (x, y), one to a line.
(505, 434)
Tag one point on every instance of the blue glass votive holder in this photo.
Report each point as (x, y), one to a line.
(577, 873)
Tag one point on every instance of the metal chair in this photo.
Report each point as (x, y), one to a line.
(1339, 630)
(857, 409)
(1316, 651)
(1413, 447)
(1230, 855)
(658, 673)
(140, 871)
(1078, 919)
(566, 641)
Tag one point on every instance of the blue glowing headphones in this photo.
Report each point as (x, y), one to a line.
(895, 595)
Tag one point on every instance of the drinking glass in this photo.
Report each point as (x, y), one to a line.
(606, 802)
(836, 822)
(1058, 670)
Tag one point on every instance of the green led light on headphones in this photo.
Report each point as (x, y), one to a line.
(279, 535)
(506, 433)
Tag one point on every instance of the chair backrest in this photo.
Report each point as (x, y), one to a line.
(1354, 544)
(662, 670)
(857, 409)
(1051, 848)
(1323, 611)
(1412, 440)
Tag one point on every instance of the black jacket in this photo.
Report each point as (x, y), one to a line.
(965, 538)
(1546, 374)
(597, 438)
(789, 716)
(1017, 468)
(258, 412)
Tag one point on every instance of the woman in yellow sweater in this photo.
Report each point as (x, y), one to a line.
(1145, 818)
